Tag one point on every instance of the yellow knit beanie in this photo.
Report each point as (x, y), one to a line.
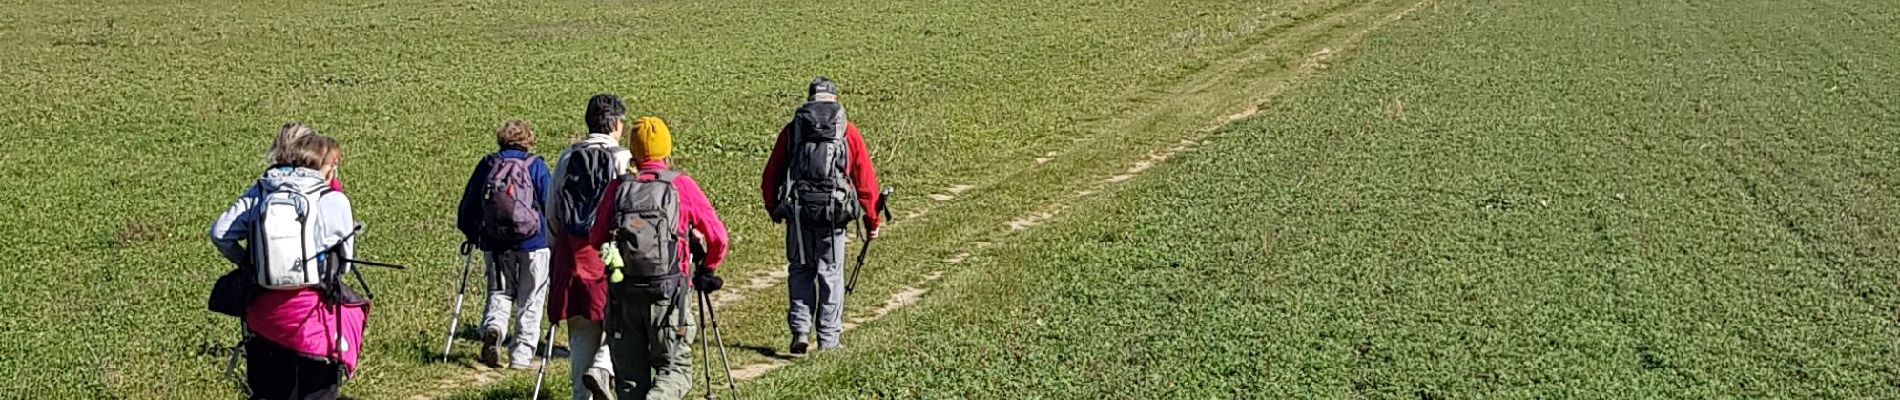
(651, 140)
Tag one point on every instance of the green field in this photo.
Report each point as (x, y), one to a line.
(1437, 199)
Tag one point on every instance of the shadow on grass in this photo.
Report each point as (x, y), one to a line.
(764, 351)
(467, 338)
(513, 392)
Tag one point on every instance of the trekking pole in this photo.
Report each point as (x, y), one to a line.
(883, 207)
(852, 284)
(237, 352)
(547, 355)
(455, 316)
(705, 346)
(723, 359)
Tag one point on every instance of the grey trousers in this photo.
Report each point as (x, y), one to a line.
(517, 280)
(588, 350)
(816, 284)
(651, 342)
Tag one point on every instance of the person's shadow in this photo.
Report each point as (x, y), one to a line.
(469, 335)
(765, 351)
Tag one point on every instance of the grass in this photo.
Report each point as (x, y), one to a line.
(1618, 199)
(133, 123)
(1482, 199)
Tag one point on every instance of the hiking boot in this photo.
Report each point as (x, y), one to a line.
(599, 382)
(800, 348)
(490, 356)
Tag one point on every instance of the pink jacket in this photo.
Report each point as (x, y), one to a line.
(298, 320)
(695, 211)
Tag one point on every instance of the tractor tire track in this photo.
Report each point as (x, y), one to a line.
(1196, 107)
(1310, 65)
(1222, 74)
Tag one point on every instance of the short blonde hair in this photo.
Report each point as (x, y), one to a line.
(287, 137)
(311, 151)
(515, 134)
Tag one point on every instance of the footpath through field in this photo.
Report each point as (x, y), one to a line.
(1527, 199)
(970, 217)
(931, 237)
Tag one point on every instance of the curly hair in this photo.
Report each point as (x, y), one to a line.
(515, 134)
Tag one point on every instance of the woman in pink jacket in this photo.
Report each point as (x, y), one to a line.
(299, 342)
(650, 335)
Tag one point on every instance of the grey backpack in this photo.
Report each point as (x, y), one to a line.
(646, 230)
(816, 189)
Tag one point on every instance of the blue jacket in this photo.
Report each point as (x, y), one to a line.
(468, 216)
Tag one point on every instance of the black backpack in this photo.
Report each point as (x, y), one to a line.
(589, 169)
(816, 189)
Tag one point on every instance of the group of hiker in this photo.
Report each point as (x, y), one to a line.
(611, 241)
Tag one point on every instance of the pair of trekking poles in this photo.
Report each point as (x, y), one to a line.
(455, 321)
(705, 312)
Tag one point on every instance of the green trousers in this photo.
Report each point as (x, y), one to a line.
(651, 343)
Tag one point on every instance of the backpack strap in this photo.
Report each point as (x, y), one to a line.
(666, 176)
(530, 157)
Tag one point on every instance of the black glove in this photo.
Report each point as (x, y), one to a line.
(698, 249)
(705, 281)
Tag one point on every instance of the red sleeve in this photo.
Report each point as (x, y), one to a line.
(698, 212)
(603, 215)
(774, 171)
(863, 175)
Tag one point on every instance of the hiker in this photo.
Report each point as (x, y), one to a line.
(501, 213)
(818, 180)
(302, 334)
(651, 214)
(577, 284)
(289, 134)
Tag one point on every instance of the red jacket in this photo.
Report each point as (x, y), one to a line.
(577, 286)
(857, 168)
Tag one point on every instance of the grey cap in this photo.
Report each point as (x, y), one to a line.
(821, 89)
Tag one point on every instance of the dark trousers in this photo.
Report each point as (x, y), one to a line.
(276, 373)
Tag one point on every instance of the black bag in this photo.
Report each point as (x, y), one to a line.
(589, 168)
(816, 189)
(232, 293)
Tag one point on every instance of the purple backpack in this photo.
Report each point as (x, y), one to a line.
(508, 212)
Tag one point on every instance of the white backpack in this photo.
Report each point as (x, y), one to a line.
(284, 239)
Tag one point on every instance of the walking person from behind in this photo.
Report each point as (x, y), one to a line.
(501, 214)
(577, 281)
(292, 233)
(652, 215)
(817, 181)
